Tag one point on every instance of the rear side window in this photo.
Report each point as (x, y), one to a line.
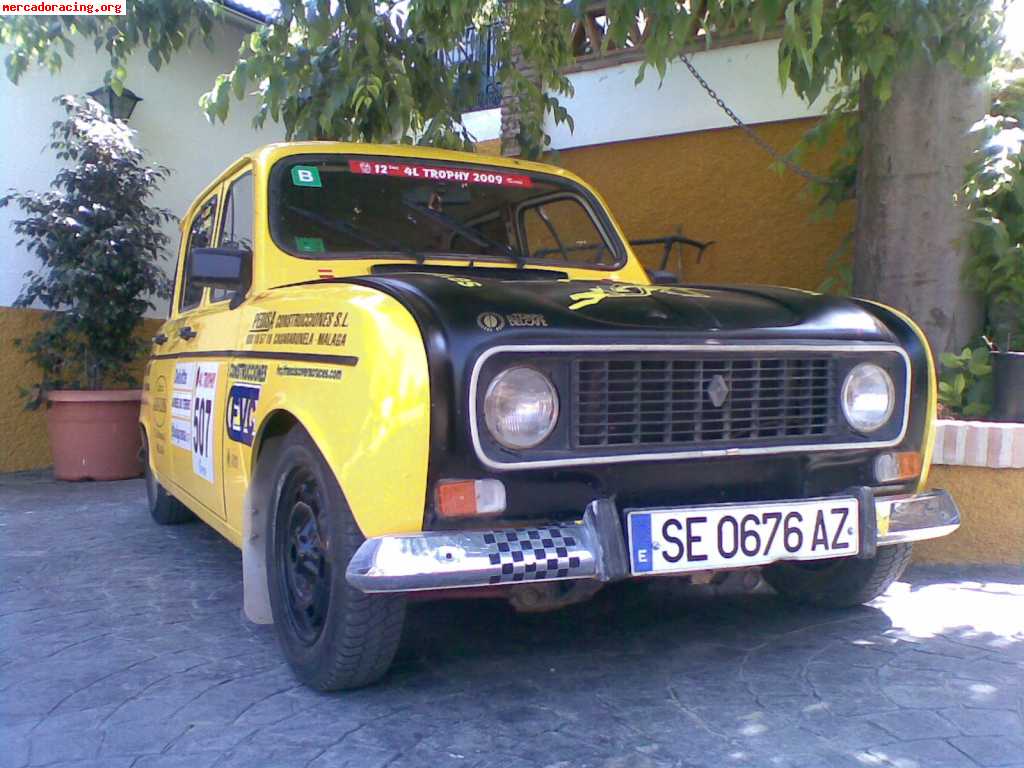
(200, 235)
(235, 223)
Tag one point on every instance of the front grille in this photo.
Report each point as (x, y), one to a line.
(668, 402)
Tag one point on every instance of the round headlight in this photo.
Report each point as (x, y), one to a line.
(868, 397)
(520, 407)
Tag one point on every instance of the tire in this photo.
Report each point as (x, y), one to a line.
(333, 636)
(163, 508)
(839, 583)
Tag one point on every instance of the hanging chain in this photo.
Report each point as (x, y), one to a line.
(754, 135)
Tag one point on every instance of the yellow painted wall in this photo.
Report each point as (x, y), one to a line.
(717, 185)
(992, 517)
(23, 441)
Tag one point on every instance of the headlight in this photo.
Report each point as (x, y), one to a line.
(868, 397)
(520, 407)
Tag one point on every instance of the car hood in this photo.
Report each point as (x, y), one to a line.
(472, 308)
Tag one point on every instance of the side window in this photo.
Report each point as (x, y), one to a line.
(200, 235)
(562, 229)
(235, 223)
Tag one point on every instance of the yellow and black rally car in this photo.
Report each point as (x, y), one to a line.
(394, 370)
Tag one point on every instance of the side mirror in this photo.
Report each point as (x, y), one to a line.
(229, 269)
(663, 277)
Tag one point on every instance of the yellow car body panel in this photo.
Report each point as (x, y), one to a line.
(371, 424)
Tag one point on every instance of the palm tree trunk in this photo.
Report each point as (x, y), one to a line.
(910, 236)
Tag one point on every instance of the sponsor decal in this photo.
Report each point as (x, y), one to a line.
(306, 176)
(160, 403)
(203, 408)
(181, 405)
(256, 372)
(465, 282)
(309, 244)
(181, 434)
(241, 412)
(492, 322)
(325, 273)
(337, 336)
(263, 321)
(526, 320)
(598, 293)
(307, 372)
(439, 173)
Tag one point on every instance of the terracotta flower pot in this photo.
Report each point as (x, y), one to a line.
(94, 434)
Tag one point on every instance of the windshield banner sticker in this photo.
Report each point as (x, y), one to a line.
(439, 173)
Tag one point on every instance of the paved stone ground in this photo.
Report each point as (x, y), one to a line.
(123, 644)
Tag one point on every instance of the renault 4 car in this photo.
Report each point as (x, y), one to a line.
(393, 371)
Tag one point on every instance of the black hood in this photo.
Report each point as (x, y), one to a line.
(470, 308)
(464, 312)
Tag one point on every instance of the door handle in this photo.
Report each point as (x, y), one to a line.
(187, 333)
(159, 339)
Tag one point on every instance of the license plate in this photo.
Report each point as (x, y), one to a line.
(738, 535)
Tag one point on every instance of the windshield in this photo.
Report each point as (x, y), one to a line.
(333, 206)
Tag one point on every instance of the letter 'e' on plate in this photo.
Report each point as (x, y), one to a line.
(677, 540)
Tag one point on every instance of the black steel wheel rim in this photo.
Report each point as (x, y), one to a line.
(303, 549)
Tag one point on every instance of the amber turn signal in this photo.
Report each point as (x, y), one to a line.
(891, 467)
(466, 498)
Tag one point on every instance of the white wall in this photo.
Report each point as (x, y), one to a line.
(171, 130)
(607, 106)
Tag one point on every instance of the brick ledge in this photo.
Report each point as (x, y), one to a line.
(979, 444)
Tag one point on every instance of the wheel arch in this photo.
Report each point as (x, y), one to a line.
(255, 511)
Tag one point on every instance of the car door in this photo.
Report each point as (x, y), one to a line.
(245, 380)
(204, 336)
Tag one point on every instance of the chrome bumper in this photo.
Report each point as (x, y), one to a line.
(593, 548)
(915, 517)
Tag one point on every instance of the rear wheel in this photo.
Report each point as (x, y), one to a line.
(333, 636)
(163, 508)
(842, 582)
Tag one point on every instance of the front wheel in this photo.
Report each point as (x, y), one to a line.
(839, 583)
(332, 635)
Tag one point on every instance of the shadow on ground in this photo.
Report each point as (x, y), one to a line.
(123, 644)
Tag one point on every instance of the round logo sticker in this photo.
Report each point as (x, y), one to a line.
(490, 321)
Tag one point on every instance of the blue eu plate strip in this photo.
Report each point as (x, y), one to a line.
(640, 539)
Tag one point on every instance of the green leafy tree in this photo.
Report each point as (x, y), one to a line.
(994, 194)
(99, 243)
(373, 70)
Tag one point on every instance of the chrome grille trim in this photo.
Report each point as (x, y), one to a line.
(708, 348)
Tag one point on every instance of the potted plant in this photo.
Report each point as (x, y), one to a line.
(99, 242)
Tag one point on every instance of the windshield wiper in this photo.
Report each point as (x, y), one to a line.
(348, 229)
(468, 232)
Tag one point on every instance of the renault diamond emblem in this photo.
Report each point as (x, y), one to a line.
(718, 390)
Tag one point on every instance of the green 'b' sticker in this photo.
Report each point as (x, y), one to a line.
(309, 244)
(305, 176)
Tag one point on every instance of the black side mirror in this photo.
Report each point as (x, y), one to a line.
(663, 277)
(227, 268)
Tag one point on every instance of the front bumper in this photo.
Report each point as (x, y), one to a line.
(593, 548)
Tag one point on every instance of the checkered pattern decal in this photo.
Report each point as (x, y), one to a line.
(532, 554)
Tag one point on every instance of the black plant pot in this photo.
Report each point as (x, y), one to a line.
(1008, 386)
